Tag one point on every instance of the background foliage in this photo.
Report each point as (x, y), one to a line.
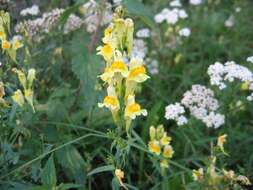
(67, 137)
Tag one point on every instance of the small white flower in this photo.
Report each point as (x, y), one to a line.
(238, 9)
(182, 14)
(195, 2)
(159, 18)
(175, 3)
(34, 10)
(143, 33)
(172, 17)
(250, 59)
(175, 112)
(230, 22)
(139, 48)
(184, 32)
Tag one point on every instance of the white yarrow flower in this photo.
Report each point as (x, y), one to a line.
(143, 33)
(250, 59)
(195, 2)
(175, 112)
(184, 32)
(34, 10)
(175, 3)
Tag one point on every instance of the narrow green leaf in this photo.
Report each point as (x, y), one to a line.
(48, 175)
(101, 169)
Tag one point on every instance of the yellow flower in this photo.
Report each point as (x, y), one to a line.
(198, 174)
(110, 101)
(154, 147)
(119, 67)
(5, 44)
(159, 131)
(16, 44)
(2, 92)
(137, 71)
(230, 175)
(21, 77)
(120, 176)
(133, 109)
(165, 140)
(108, 38)
(2, 35)
(29, 97)
(164, 163)
(31, 77)
(243, 179)
(221, 140)
(129, 34)
(18, 98)
(168, 151)
(106, 51)
(107, 75)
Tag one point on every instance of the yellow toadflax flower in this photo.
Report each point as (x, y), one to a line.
(5, 45)
(220, 142)
(168, 151)
(165, 140)
(133, 109)
(137, 71)
(243, 179)
(2, 92)
(164, 163)
(106, 51)
(18, 98)
(154, 147)
(198, 175)
(2, 34)
(110, 101)
(120, 176)
(16, 44)
(29, 97)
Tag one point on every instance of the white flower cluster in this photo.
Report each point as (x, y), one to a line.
(195, 2)
(33, 10)
(171, 16)
(250, 59)
(219, 73)
(152, 65)
(175, 112)
(175, 3)
(93, 17)
(140, 49)
(203, 105)
(73, 23)
(40, 25)
(143, 33)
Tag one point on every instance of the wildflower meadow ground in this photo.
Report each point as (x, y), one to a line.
(126, 94)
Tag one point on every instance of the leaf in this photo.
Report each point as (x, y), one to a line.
(136, 8)
(70, 10)
(48, 175)
(101, 169)
(73, 163)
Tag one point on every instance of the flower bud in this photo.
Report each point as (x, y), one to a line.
(152, 133)
(18, 98)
